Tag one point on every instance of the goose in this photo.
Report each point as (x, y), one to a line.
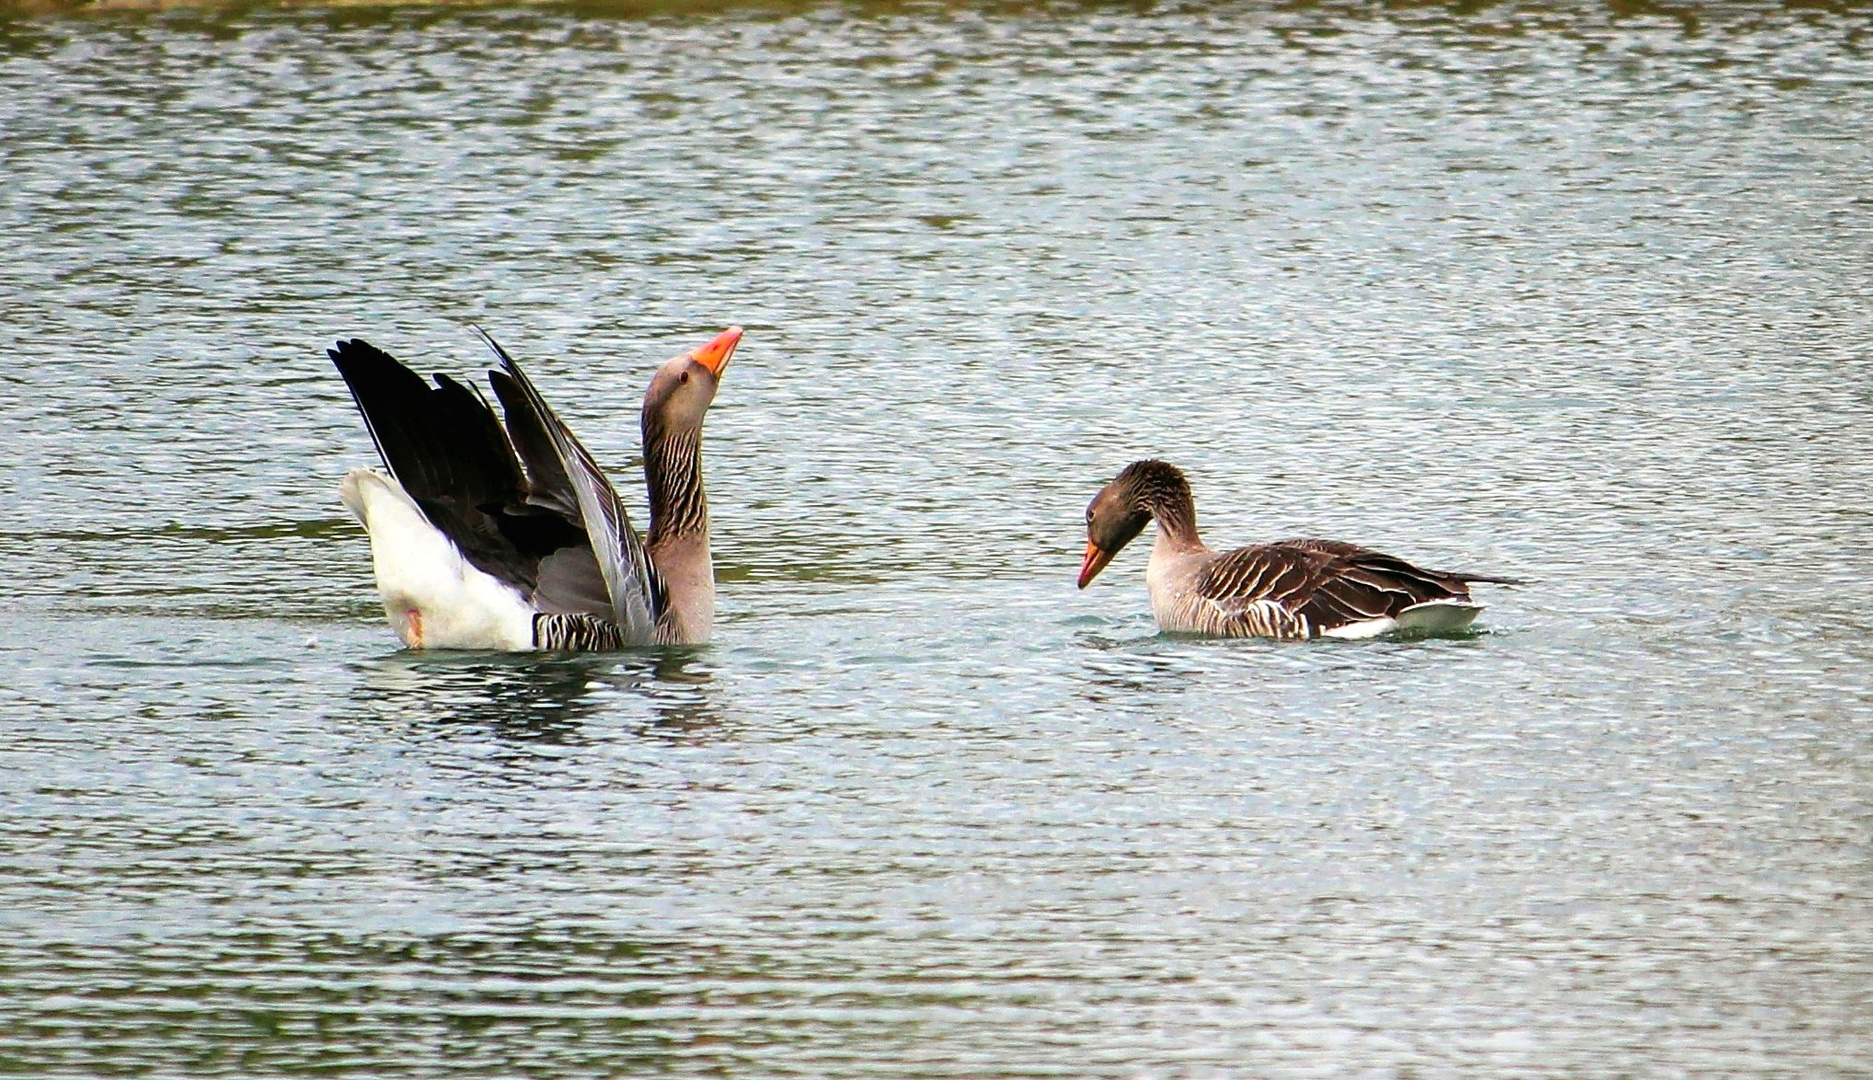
(510, 537)
(1292, 589)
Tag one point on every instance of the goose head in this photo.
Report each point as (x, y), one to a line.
(682, 389)
(1142, 491)
(1113, 519)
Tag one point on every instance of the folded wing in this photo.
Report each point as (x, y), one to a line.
(1300, 588)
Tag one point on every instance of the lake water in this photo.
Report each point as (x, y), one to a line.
(1580, 295)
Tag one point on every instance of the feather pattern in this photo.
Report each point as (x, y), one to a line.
(487, 535)
(1291, 589)
(674, 464)
(1301, 588)
(637, 595)
(445, 449)
(576, 633)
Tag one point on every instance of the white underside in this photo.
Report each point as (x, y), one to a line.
(1430, 617)
(434, 597)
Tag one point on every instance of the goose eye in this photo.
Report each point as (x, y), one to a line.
(686, 376)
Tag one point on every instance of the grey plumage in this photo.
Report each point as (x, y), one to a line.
(1291, 589)
(576, 633)
(636, 593)
(1301, 588)
(525, 504)
(673, 464)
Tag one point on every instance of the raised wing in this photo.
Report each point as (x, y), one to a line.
(445, 448)
(438, 442)
(548, 486)
(637, 593)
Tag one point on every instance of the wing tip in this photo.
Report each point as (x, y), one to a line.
(507, 361)
(1491, 579)
(355, 348)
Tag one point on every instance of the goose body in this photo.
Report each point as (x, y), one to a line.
(1291, 589)
(433, 595)
(509, 536)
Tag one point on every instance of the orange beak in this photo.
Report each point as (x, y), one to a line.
(1096, 560)
(714, 355)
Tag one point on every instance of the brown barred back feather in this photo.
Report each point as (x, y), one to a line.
(576, 633)
(1317, 584)
(1292, 589)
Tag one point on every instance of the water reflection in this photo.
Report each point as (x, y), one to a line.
(545, 699)
(1119, 669)
(679, 688)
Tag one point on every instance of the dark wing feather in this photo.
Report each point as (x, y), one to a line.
(1341, 547)
(1327, 583)
(439, 442)
(637, 593)
(445, 447)
(548, 485)
(570, 581)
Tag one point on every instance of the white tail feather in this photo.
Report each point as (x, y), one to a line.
(1430, 617)
(435, 599)
(1361, 630)
(1438, 616)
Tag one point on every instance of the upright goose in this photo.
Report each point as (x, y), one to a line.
(1291, 589)
(492, 537)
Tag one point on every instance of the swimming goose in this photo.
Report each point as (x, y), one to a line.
(1291, 589)
(492, 537)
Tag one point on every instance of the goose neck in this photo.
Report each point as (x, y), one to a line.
(673, 474)
(1176, 514)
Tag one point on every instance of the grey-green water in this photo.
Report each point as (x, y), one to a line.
(1579, 295)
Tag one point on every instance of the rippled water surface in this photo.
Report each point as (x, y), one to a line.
(1578, 295)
